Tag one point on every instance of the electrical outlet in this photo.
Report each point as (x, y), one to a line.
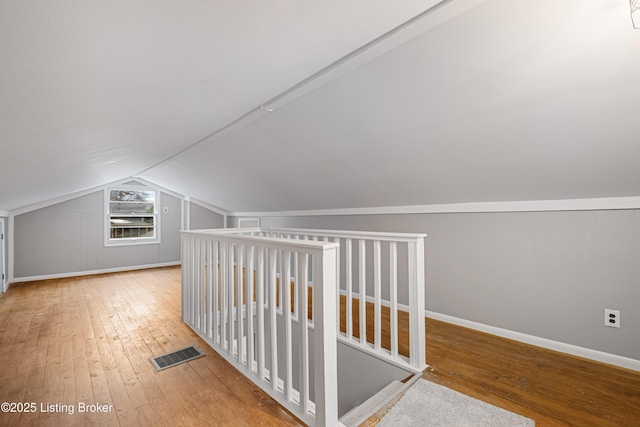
(612, 318)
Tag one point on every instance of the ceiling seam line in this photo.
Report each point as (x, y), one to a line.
(332, 66)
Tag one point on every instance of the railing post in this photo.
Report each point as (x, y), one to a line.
(303, 352)
(185, 269)
(325, 337)
(417, 352)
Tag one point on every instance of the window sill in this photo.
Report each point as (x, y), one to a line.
(131, 242)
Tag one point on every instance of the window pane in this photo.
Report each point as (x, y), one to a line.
(131, 221)
(132, 233)
(130, 227)
(132, 196)
(131, 214)
(131, 208)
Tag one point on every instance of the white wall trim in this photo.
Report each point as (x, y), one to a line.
(92, 190)
(92, 272)
(4, 214)
(599, 356)
(242, 222)
(212, 208)
(186, 213)
(604, 203)
(11, 248)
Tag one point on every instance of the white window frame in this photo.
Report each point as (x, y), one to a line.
(248, 222)
(108, 241)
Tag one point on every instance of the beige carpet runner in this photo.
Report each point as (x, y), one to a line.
(430, 404)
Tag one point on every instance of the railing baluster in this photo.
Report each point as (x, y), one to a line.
(377, 295)
(349, 283)
(303, 352)
(185, 278)
(393, 296)
(208, 287)
(194, 280)
(250, 283)
(194, 266)
(201, 295)
(204, 320)
(230, 298)
(285, 278)
(337, 240)
(240, 302)
(296, 307)
(198, 280)
(215, 293)
(260, 313)
(224, 280)
(273, 325)
(362, 273)
(279, 282)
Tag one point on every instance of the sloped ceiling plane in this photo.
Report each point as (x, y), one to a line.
(290, 105)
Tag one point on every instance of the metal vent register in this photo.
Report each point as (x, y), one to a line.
(177, 357)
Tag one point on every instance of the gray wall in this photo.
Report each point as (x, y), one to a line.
(203, 218)
(69, 238)
(546, 274)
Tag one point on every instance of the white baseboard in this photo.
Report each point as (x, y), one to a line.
(599, 356)
(92, 272)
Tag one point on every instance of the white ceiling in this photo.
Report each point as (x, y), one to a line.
(491, 100)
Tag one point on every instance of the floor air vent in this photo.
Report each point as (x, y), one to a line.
(177, 357)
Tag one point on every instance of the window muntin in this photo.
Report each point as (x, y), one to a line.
(132, 216)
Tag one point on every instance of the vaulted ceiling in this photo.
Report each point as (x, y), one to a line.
(365, 103)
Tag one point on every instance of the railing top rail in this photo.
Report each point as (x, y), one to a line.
(226, 230)
(366, 235)
(306, 246)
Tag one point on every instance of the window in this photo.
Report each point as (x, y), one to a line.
(131, 216)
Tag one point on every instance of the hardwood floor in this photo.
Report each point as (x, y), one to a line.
(552, 388)
(89, 340)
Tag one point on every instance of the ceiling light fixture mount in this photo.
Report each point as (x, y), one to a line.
(635, 13)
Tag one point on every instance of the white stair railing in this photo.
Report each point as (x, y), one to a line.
(367, 267)
(236, 296)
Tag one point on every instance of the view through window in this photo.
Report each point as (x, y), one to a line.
(132, 214)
